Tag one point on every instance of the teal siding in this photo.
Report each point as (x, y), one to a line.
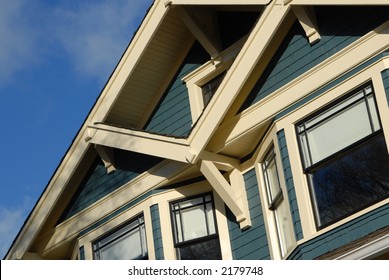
(385, 78)
(97, 184)
(331, 85)
(343, 234)
(157, 233)
(338, 27)
(249, 244)
(290, 185)
(172, 115)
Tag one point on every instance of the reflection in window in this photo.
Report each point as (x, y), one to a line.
(276, 203)
(194, 226)
(126, 243)
(345, 156)
(210, 88)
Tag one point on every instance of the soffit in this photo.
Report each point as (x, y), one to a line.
(157, 67)
(148, 80)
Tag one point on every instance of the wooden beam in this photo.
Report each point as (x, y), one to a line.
(222, 162)
(233, 195)
(207, 34)
(307, 18)
(253, 50)
(140, 142)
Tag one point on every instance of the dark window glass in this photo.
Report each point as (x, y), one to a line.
(126, 243)
(352, 181)
(210, 88)
(194, 227)
(345, 157)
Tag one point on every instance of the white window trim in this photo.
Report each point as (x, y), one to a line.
(202, 75)
(269, 218)
(371, 73)
(162, 199)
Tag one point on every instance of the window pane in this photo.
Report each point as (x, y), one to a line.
(285, 233)
(194, 223)
(271, 177)
(178, 227)
(210, 218)
(191, 202)
(338, 132)
(128, 247)
(354, 181)
(205, 250)
(126, 243)
(374, 113)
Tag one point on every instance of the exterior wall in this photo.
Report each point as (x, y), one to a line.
(172, 115)
(98, 183)
(249, 244)
(296, 56)
(343, 235)
(290, 185)
(157, 233)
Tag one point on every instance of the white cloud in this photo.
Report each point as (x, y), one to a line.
(95, 34)
(11, 221)
(17, 38)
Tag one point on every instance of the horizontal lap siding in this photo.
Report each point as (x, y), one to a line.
(98, 183)
(338, 27)
(249, 244)
(344, 234)
(157, 232)
(172, 115)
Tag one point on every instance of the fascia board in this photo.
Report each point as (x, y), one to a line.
(129, 61)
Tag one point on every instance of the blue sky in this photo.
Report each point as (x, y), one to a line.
(55, 58)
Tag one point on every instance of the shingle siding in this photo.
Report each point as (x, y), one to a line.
(249, 244)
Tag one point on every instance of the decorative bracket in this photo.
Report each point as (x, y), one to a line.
(233, 194)
(306, 17)
(207, 34)
(106, 155)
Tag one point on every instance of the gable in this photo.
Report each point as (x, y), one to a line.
(338, 27)
(98, 183)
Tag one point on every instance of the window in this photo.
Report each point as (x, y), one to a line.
(194, 227)
(345, 156)
(126, 243)
(276, 203)
(209, 89)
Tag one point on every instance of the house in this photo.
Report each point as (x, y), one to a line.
(250, 129)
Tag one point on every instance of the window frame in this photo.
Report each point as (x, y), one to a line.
(214, 236)
(137, 222)
(343, 151)
(205, 73)
(272, 204)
